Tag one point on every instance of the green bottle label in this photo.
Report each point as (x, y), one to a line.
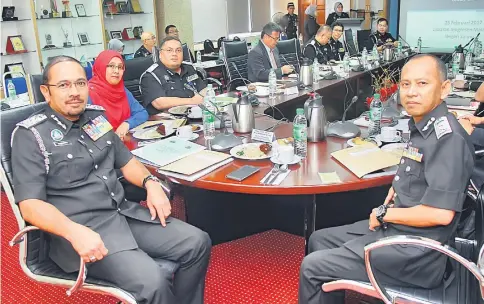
(208, 117)
(299, 132)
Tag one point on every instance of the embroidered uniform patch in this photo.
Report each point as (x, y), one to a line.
(442, 127)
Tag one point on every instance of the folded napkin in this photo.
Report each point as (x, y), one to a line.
(279, 178)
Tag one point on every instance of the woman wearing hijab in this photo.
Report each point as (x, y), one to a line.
(116, 45)
(338, 14)
(106, 89)
(311, 26)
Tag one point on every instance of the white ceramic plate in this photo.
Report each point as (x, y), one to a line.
(150, 134)
(292, 76)
(351, 142)
(395, 140)
(194, 136)
(191, 116)
(179, 110)
(295, 160)
(199, 128)
(241, 150)
(396, 148)
(242, 88)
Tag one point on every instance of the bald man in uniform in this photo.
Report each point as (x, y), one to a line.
(149, 41)
(425, 200)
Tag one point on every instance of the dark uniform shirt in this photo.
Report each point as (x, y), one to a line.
(379, 39)
(337, 50)
(314, 49)
(158, 81)
(434, 171)
(142, 52)
(56, 161)
(333, 17)
(291, 28)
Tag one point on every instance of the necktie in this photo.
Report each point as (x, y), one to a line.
(273, 60)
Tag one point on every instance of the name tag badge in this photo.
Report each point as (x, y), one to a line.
(341, 50)
(192, 77)
(263, 136)
(97, 127)
(413, 154)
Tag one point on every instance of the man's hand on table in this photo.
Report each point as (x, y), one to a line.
(157, 202)
(87, 243)
(195, 100)
(287, 69)
(122, 130)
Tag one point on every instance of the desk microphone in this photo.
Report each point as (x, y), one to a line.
(343, 128)
(287, 62)
(408, 44)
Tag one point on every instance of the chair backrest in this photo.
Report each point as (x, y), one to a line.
(219, 42)
(236, 38)
(479, 219)
(35, 82)
(350, 43)
(134, 68)
(363, 38)
(235, 55)
(290, 52)
(208, 46)
(187, 54)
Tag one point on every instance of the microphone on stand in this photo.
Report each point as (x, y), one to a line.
(343, 128)
(408, 44)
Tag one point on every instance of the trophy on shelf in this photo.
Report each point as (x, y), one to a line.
(55, 12)
(48, 42)
(67, 13)
(67, 43)
(44, 14)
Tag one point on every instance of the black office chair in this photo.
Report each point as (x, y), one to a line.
(34, 83)
(219, 42)
(461, 285)
(236, 38)
(187, 54)
(235, 60)
(208, 47)
(34, 243)
(350, 43)
(364, 40)
(290, 52)
(134, 68)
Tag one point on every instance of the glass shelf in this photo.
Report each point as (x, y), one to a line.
(70, 47)
(108, 14)
(21, 19)
(17, 54)
(88, 16)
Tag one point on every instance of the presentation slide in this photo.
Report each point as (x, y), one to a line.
(441, 24)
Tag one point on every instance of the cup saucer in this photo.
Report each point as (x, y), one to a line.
(296, 159)
(194, 136)
(394, 140)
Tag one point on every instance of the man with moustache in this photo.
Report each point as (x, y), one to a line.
(63, 162)
(164, 84)
(425, 199)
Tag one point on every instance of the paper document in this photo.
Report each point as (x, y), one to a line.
(196, 162)
(329, 178)
(166, 151)
(362, 160)
(197, 175)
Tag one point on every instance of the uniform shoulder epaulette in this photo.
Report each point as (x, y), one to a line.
(94, 107)
(442, 126)
(152, 67)
(32, 121)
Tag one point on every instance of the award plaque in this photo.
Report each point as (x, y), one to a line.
(83, 38)
(122, 7)
(15, 45)
(128, 34)
(67, 13)
(137, 31)
(134, 6)
(81, 11)
(8, 13)
(44, 14)
(67, 43)
(17, 70)
(116, 35)
(48, 42)
(55, 12)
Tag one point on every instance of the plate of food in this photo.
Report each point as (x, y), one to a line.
(252, 151)
(196, 128)
(359, 141)
(179, 110)
(161, 131)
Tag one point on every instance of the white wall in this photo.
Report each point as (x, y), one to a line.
(212, 27)
(330, 6)
(281, 6)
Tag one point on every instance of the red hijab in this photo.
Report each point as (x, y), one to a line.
(113, 98)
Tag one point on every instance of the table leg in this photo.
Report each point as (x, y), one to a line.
(309, 220)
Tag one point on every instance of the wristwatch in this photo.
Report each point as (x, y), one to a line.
(148, 178)
(381, 211)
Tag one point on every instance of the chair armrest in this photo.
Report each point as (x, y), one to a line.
(81, 277)
(167, 188)
(202, 73)
(417, 241)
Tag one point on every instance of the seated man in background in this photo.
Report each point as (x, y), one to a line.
(381, 37)
(425, 199)
(72, 192)
(170, 82)
(172, 31)
(318, 47)
(477, 86)
(149, 41)
(337, 48)
(265, 56)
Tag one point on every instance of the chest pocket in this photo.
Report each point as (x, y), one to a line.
(172, 89)
(70, 166)
(412, 177)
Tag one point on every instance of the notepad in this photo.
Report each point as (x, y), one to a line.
(196, 162)
(329, 178)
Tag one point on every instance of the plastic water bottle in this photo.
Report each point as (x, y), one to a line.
(399, 49)
(12, 93)
(209, 118)
(301, 40)
(375, 54)
(455, 64)
(478, 48)
(272, 84)
(300, 133)
(376, 110)
(468, 60)
(364, 58)
(199, 56)
(419, 45)
(346, 65)
(315, 71)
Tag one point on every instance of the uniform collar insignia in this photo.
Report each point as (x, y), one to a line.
(426, 125)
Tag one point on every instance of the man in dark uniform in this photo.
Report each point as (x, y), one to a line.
(291, 21)
(425, 199)
(381, 37)
(64, 160)
(319, 47)
(149, 41)
(337, 48)
(170, 83)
